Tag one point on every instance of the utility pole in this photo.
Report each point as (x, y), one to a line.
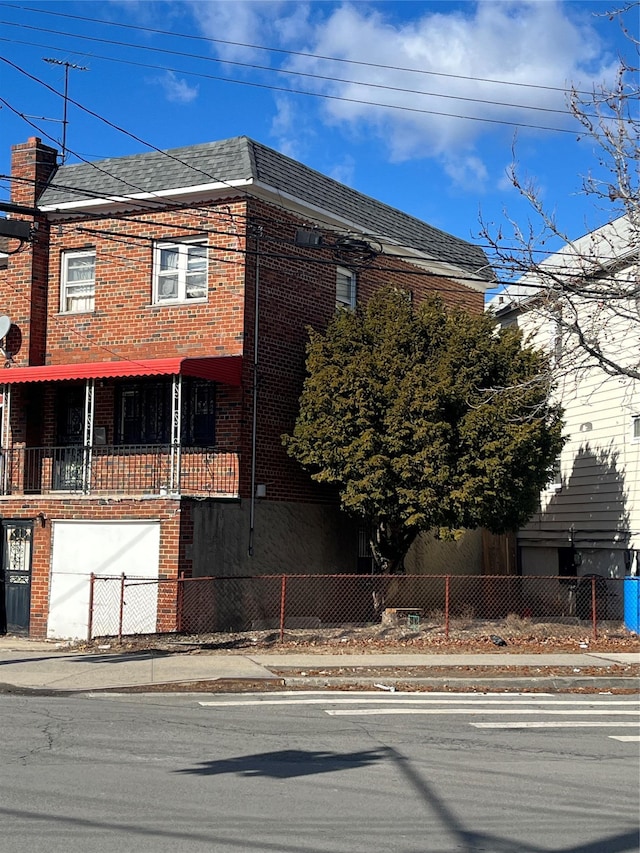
(67, 66)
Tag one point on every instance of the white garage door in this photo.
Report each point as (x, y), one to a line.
(104, 549)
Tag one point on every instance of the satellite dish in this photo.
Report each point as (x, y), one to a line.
(5, 325)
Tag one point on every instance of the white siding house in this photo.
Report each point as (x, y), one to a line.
(588, 520)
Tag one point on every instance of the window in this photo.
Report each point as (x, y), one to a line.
(635, 428)
(198, 413)
(345, 288)
(180, 271)
(143, 413)
(78, 281)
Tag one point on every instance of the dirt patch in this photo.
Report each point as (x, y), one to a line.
(413, 672)
(511, 635)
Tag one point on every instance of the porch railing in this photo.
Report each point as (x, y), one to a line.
(120, 469)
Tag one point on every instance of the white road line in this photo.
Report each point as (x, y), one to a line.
(364, 712)
(558, 724)
(417, 699)
(626, 738)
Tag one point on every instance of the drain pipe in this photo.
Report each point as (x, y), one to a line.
(254, 420)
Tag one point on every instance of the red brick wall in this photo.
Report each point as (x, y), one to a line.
(174, 542)
(297, 290)
(125, 324)
(24, 296)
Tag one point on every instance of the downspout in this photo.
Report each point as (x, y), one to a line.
(254, 419)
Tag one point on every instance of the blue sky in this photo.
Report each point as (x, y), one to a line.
(435, 142)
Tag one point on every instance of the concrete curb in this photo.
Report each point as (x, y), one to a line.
(484, 684)
(541, 684)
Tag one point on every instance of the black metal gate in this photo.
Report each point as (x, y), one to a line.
(15, 577)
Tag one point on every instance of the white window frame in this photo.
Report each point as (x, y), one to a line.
(635, 428)
(67, 287)
(181, 272)
(350, 303)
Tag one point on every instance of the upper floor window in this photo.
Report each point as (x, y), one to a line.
(180, 271)
(78, 281)
(345, 288)
(635, 428)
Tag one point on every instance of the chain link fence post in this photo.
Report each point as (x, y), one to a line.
(283, 604)
(446, 606)
(594, 608)
(121, 613)
(92, 581)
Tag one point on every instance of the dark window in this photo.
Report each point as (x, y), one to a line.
(143, 413)
(70, 415)
(198, 413)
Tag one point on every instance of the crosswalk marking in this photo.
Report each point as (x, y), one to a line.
(516, 711)
(399, 699)
(364, 712)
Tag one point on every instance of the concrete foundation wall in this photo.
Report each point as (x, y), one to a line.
(431, 556)
(299, 538)
(291, 538)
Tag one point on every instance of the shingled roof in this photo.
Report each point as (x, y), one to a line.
(243, 159)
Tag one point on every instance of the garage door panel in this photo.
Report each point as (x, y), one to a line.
(103, 549)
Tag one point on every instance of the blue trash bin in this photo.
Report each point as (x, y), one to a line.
(632, 604)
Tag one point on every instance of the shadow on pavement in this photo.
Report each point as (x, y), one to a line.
(286, 763)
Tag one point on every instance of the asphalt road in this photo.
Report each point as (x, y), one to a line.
(319, 773)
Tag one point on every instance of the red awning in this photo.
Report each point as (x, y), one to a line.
(227, 369)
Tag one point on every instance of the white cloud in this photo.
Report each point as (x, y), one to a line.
(458, 49)
(522, 42)
(237, 24)
(177, 89)
(467, 171)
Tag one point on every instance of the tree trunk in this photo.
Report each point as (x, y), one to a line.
(389, 544)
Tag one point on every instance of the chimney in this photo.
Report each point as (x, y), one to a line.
(23, 295)
(32, 164)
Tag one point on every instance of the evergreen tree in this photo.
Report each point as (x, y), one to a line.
(425, 419)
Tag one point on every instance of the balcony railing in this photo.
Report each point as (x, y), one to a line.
(129, 469)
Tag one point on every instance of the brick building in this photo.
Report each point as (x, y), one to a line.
(155, 347)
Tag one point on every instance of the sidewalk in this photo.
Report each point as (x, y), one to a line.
(28, 666)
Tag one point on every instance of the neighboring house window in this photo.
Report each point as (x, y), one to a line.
(635, 428)
(180, 271)
(78, 281)
(345, 288)
(143, 413)
(555, 481)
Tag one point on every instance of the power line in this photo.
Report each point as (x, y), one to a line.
(133, 136)
(255, 67)
(361, 101)
(187, 209)
(308, 55)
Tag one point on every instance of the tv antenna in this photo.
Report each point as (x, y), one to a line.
(67, 66)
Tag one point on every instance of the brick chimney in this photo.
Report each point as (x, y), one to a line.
(32, 164)
(24, 292)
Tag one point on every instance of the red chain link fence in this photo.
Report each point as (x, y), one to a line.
(121, 606)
